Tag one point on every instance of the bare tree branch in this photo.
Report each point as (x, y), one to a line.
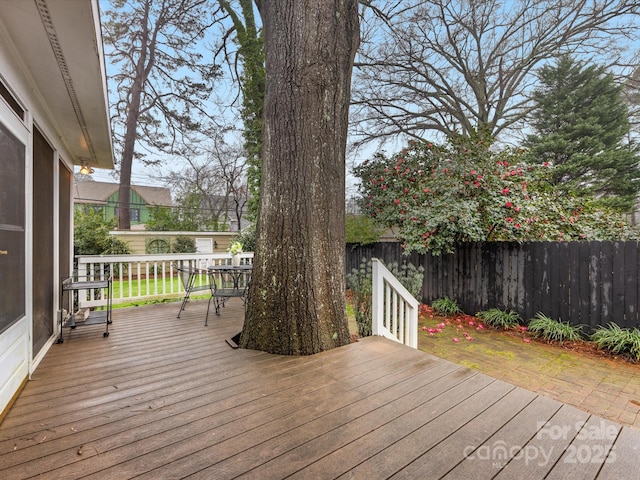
(447, 66)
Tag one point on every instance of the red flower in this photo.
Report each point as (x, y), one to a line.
(505, 191)
(508, 204)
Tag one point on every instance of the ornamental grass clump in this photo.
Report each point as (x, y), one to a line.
(553, 330)
(619, 341)
(445, 306)
(499, 319)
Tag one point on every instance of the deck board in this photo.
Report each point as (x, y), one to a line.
(163, 397)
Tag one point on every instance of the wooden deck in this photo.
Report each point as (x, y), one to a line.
(167, 398)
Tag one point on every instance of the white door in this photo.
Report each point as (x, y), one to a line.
(14, 321)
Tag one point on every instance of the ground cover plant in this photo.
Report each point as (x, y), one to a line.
(553, 330)
(445, 306)
(618, 341)
(500, 319)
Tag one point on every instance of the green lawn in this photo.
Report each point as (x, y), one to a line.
(159, 291)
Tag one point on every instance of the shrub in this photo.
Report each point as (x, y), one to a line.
(360, 283)
(497, 318)
(619, 341)
(410, 276)
(552, 330)
(183, 244)
(445, 306)
(247, 237)
(361, 230)
(91, 235)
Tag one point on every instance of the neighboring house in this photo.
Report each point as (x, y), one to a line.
(53, 115)
(104, 198)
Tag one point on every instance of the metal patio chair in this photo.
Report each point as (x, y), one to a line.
(189, 276)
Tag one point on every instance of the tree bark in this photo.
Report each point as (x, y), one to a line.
(131, 126)
(297, 294)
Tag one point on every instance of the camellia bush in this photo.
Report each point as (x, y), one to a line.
(437, 196)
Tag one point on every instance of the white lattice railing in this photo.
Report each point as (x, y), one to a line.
(144, 277)
(395, 310)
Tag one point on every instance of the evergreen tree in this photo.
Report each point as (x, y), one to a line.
(580, 123)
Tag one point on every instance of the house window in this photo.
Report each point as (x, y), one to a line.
(12, 102)
(133, 212)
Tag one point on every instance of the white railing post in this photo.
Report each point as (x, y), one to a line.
(377, 297)
(394, 310)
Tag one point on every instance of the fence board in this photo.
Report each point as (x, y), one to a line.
(583, 294)
(594, 285)
(553, 278)
(617, 283)
(606, 282)
(527, 272)
(573, 268)
(564, 276)
(539, 291)
(481, 296)
(630, 296)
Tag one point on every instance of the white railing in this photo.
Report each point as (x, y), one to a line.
(144, 277)
(394, 309)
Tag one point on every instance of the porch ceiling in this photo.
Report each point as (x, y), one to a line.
(59, 43)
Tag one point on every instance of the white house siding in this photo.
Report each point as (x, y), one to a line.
(74, 122)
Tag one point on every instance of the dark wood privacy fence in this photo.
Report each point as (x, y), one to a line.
(585, 283)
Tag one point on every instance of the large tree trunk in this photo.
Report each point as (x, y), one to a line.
(296, 299)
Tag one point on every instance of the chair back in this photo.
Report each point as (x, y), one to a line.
(187, 276)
